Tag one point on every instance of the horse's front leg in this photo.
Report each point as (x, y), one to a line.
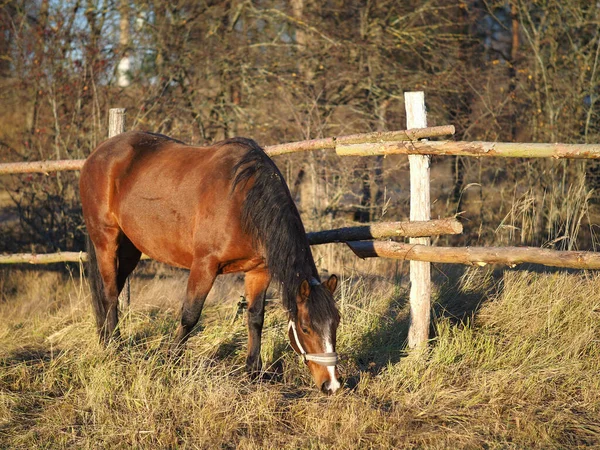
(256, 284)
(202, 276)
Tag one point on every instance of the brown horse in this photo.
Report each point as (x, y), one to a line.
(212, 210)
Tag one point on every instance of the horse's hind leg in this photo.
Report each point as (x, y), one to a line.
(105, 291)
(256, 284)
(202, 276)
(129, 256)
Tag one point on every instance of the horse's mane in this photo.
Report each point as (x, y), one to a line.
(270, 216)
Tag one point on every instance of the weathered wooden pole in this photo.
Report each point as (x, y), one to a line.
(473, 148)
(473, 256)
(420, 209)
(116, 121)
(45, 258)
(381, 230)
(384, 230)
(402, 142)
(41, 166)
(330, 143)
(477, 256)
(374, 138)
(116, 125)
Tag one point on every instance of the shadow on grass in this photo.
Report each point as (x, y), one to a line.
(30, 356)
(383, 344)
(273, 373)
(155, 327)
(29, 400)
(462, 292)
(231, 346)
(465, 290)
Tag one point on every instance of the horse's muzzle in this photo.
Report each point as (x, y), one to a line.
(326, 388)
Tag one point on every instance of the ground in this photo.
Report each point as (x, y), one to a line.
(513, 363)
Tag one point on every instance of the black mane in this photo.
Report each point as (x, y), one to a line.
(270, 216)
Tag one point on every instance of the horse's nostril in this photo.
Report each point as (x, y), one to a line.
(326, 388)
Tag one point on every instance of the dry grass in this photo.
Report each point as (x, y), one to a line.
(514, 364)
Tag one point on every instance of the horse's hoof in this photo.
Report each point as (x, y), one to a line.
(175, 353)
(254, 370)
(110, 340)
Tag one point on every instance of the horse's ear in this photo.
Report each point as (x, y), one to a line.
(304, 292)
(331, 283)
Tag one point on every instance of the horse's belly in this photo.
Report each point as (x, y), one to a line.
(175, 227)
(158, 228)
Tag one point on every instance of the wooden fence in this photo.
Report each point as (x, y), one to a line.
(420, 226)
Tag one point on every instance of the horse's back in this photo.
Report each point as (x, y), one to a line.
(114, 159)
(171, 200)
(135, 152)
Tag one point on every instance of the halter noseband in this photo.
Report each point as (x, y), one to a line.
(323, 359)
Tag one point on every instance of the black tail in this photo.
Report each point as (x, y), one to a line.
(96, 285)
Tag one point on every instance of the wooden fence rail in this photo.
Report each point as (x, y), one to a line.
(45, 258)
(41, 166)
(385, 230)
(477, 256)
(473, 256)
(475, 148)
(292, 147)
(333, 143)
(382, 230)
(348, 146)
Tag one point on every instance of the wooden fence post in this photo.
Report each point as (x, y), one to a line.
(420, 209)
(116, 125)
(116, 121)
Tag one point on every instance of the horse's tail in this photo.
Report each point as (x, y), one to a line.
(96, 284)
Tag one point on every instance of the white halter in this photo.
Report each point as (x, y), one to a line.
(323, 359)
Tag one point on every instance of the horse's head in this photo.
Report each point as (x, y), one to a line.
(313, 332)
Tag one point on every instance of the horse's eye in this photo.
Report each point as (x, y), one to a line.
(305, 330)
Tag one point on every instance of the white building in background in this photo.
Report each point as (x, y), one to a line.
(124, 72)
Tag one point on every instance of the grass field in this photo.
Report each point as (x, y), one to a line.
(514, 364)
